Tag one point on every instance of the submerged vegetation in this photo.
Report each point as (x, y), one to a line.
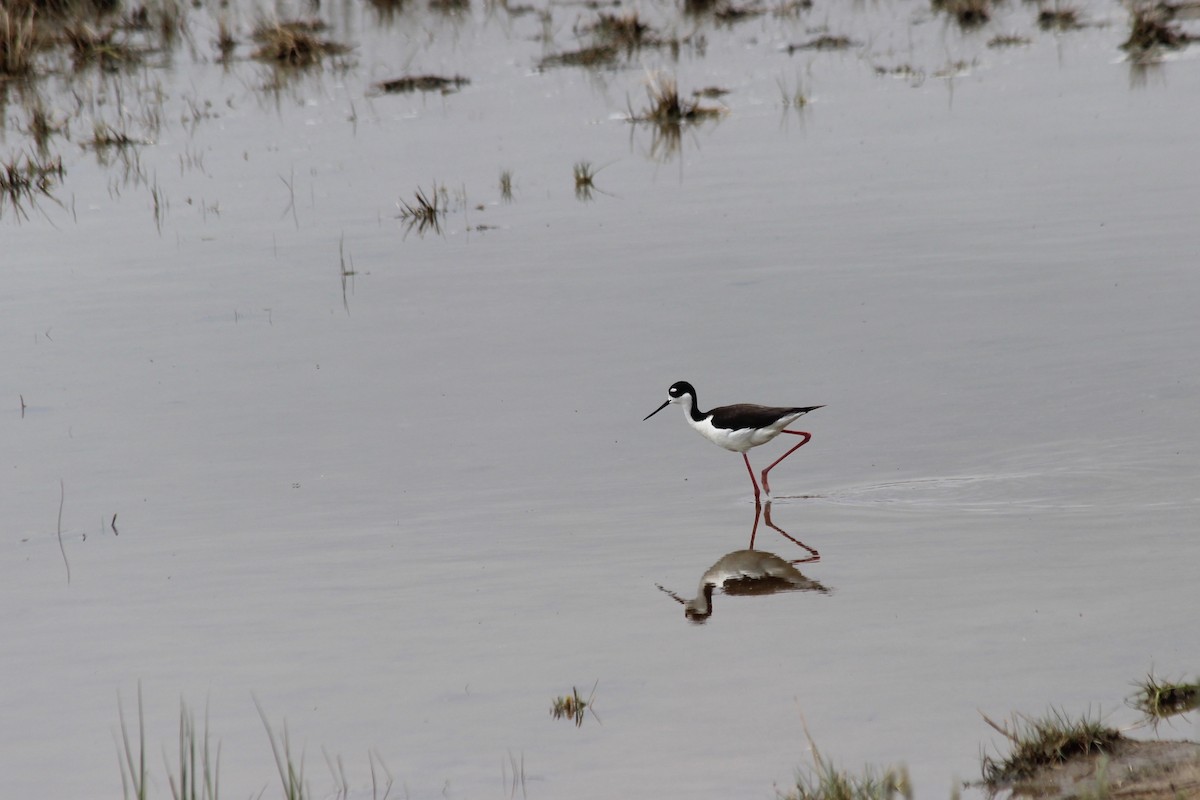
(572, 706)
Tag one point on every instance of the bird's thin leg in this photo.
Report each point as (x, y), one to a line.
(754, 529)
(767, 518)
(750, 469)
(765, 483)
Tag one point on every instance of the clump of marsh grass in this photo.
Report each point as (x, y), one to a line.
(1158, 699)
(584, 176)
(225, 42)
(506, 185)
(967, 13)
(1064, 18)
(1151, 30)
(824, 781)
(626, 30)
(669, 114)
(41, 125)
(18, 40)
(104, 136)
(668, 107)
(426, 210)
(572, 706)
(102, 48)
(25, 178)
(294, 43)
(1038, 742)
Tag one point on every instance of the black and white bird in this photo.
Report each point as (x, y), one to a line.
(738, 427)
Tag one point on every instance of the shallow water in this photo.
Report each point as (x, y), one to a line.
(408, 507)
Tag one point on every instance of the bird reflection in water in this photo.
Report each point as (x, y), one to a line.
(749, 572)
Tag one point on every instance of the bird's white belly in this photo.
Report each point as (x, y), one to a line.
(738, 441)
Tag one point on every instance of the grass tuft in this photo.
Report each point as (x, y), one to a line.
(668, 107)
(291, 774)
(1045, 741)
(426, 210)
(1158, 699)
(1059, 19)
(1151, 29)
(294, 43)
(824, 781)
(572, 706)
(18, 41)
(90, 46)
(968, 13)
(623, 30)
(25, 178)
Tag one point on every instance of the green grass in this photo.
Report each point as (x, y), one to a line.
(824, 781)
(1038, 742)
(573, 707)
(1158, 699)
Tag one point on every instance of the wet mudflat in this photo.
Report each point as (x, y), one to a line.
(392, 480)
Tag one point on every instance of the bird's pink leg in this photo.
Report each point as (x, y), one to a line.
(766, 485)
(754, 530)
(767, 518)
(750, 469)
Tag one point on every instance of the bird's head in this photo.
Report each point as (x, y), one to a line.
(678, 391)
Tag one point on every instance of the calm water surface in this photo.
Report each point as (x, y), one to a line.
(407, 507)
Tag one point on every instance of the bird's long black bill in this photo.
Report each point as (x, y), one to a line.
(655, 411)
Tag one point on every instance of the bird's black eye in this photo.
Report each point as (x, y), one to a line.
(674, 392)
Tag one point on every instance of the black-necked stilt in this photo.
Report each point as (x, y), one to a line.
(745, 572)
(738, 427)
